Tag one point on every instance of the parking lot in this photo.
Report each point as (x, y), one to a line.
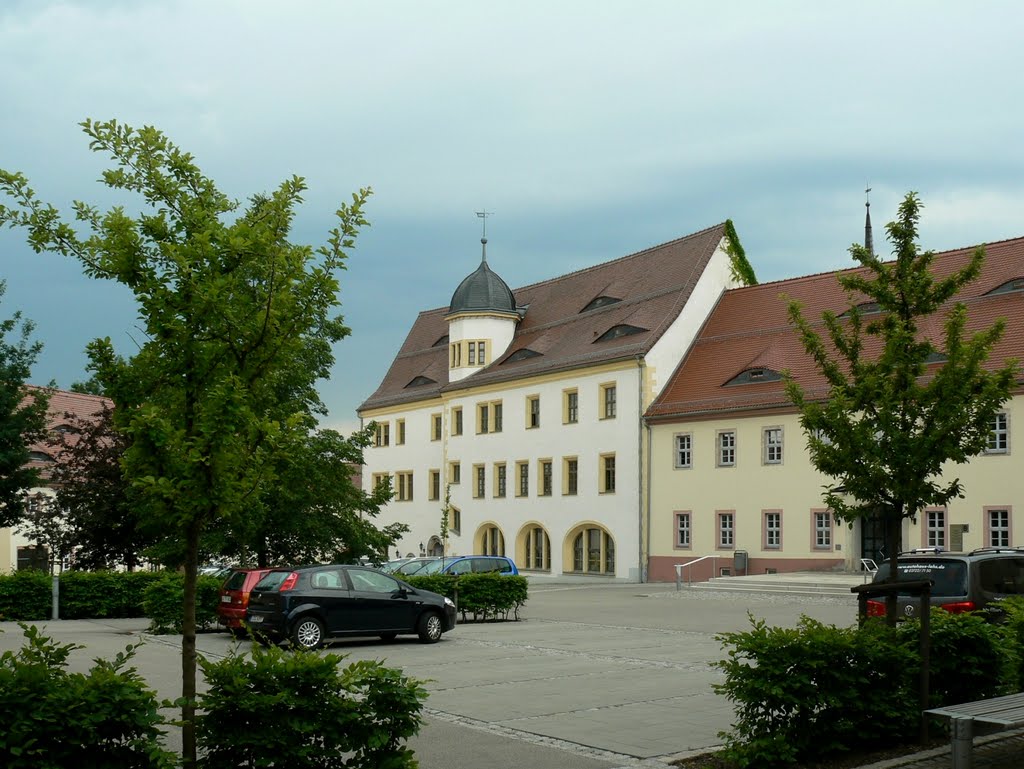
(592, 676)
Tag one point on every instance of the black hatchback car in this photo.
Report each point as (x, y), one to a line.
(312, 604)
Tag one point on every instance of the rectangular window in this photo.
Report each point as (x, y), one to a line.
(608, 396)
(404, 483)
(480, 472)
(481, 356)
(822, 530)
(383, 434)
(935, 528)
(435, 485)
(483, 412)
(523, 471)
(727, 448)
(399, 432)
(772, 530)
(570, 407)
(683, 530)
(772, 446)
(570, 473)
(472, 353)
(608, 474)
(726, 531)
(533, 411)
(499, 480)
(454, 520)
(435, 430)
(380, 479)
(496, 416)
(684, 451)
(998, 528)
(457, 421)
(546, 477)
(454, 472)
(999, 436)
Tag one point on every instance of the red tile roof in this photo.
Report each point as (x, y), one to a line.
(653, 286)
(749, 328)
(62, 404)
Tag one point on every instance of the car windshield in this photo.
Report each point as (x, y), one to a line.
(412, 567)
(949, 577)
(235, 581)
(433, 567)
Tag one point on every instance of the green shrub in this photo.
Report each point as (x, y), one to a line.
(304, 711)
(1013, 619)
(813, 691)
(970, 658)
(164, 599)
(102, 594)
(485, 596)
(26, 595)
(104, 719)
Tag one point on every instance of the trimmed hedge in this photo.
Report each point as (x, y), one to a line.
(27, 595)
(485, 596)
(814, 691)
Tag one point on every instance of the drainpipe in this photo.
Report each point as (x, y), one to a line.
(641, 427)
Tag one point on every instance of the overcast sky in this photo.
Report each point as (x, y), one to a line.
(592, 129)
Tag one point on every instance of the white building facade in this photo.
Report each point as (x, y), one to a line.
(526, 407)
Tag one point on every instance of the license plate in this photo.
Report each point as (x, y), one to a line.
(225, 599)
(255, 620)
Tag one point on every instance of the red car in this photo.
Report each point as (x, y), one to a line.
(234, 597)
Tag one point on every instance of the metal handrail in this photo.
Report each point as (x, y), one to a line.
(681, 566)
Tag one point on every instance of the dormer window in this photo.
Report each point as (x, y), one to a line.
(521, 354)
(754, 376)
(40, 456)
(621, 330)
(441, 342)
(864, 308)
(65, 429)
(420, 381)
(601, 301)
(1010, 286)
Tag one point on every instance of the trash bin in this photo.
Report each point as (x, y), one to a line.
(739, 562)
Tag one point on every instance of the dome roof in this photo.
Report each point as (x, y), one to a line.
(482, 290)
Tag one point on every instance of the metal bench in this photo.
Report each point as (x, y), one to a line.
(1007, 712)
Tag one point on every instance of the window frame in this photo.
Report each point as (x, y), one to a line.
(403, 486)
(769, 446)
(457, 424)
(545, 477)
(723, 532)
(500, 488)
(609, 408)
(532, 412)
(721, 448)
(522, 478)
(570, 406)
(455, 472)
(677, 451)
(928, 530)
(770, 532)
(830, 519)
(990, 529)
(479, 481)
(570, 476)
(679, 517)
(436, 427)
(603, 465)
(434, 493)
(998, 442)
(399, 432)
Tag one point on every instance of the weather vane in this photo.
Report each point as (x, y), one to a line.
(483, 215)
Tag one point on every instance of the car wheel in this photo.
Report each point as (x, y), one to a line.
(308, 633)
(430, 627)
(388, 636)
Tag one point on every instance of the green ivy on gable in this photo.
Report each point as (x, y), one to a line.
(738, 264)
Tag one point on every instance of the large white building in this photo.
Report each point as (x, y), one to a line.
(730, 467)
(527, 407)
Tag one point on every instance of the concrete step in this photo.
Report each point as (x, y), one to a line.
(804, 583)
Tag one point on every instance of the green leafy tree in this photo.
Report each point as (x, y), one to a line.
(316, 512)
(45, 523)
(22, 414)
(892, 420)
(239, 324)
(446, 515)
(94, 494)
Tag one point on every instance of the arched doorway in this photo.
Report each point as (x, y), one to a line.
(590, 549)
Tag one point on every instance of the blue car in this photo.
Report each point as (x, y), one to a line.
(470, 564)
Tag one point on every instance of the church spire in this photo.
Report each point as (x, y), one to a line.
(869, 242)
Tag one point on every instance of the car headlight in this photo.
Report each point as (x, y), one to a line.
(449, 602)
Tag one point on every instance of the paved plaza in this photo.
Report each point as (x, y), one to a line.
(594, 675)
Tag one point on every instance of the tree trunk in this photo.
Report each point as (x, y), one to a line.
(188, 648)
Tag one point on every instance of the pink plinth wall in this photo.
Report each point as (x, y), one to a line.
(661, 568)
